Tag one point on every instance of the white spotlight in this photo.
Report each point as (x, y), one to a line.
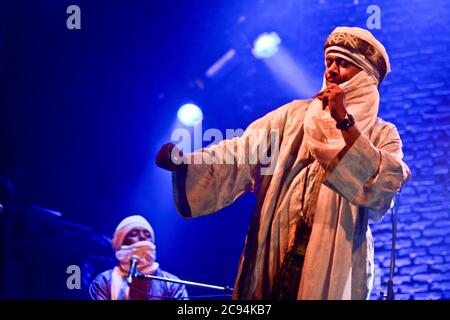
(266, 45)
(189, 114)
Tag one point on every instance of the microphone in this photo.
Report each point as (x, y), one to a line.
(133, 263)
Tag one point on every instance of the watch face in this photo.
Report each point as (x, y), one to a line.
(346, 123)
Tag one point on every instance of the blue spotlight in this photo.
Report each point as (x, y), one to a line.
(266, 45)
(189, 114)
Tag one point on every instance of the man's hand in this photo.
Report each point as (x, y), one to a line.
(334, 97)
(170, 158)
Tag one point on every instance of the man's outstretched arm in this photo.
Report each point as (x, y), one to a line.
(214, 177)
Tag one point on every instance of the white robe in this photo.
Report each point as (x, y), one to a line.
(358, 185)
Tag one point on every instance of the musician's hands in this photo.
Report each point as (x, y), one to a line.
(333, 97)
(170, 158)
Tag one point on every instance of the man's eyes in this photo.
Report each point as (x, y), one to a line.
(342, 63)
(135, 233)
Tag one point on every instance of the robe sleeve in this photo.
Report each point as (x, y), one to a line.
(369, 176)
(99, 289)
(178, 292)
(228, 169)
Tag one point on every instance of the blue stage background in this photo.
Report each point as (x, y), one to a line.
(83, 113)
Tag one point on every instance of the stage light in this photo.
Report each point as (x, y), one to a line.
(189, 114)
(266, 45)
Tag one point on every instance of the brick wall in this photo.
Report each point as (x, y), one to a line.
(416, 97)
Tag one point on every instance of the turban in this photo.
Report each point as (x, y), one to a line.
(126, 225)
(360, 47)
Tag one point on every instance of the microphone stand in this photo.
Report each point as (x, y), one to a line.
(390, 289)
(226, 289)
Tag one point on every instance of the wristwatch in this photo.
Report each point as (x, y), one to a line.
(347, 123)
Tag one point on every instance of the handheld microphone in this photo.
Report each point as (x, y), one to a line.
(133, 264)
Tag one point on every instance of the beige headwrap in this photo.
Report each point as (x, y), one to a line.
(145, 251)
(126, 225)
(360, 47)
